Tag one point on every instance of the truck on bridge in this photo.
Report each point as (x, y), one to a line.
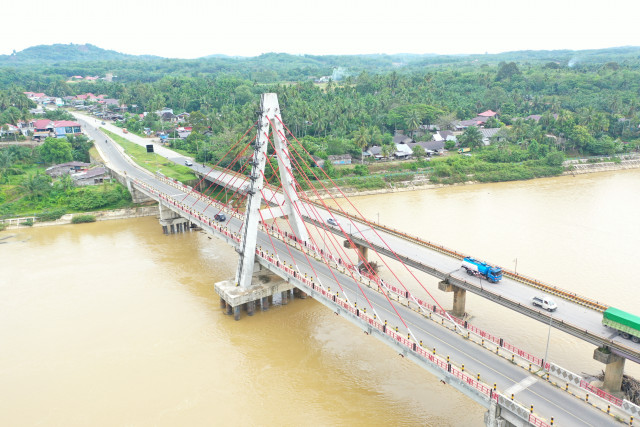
(627, 325)
(482, 269)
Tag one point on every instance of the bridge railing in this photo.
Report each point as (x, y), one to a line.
(555, 290)
(406, 343)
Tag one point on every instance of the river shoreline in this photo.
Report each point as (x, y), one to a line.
(126, 213)
(577, 169)
(141, 211)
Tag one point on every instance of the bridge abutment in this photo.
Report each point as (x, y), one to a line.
(614, 369)
(459, 298)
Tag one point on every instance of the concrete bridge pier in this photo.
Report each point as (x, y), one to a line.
(298, 293)
(170, 221)
(614, 369)
(459, 298)
(363, 250)
(251, 308)
(493, 418)
(264, 284)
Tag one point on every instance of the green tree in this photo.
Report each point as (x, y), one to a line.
(56, 150)
(6, 163)
(471, 138)
(419, 152)
(362, 138)
(507, 71)
(36, 185)
(388, 150)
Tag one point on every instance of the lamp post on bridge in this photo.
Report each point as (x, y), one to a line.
(515, 270)
(546, 351)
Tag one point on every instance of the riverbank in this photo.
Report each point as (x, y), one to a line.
(422, 184)
(135, 212)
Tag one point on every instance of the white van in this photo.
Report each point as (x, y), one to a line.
(545, 302)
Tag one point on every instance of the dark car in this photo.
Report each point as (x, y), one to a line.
(220, 217)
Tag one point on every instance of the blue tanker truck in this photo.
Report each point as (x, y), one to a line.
(482, 269)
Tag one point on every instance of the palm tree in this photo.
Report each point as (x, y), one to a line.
(6, 163)
(387, 150)
(471, 137)
(361, 139)
(413, 120)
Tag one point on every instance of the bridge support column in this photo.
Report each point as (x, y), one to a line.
(264, 303)
(236, 312)
(171, 222)
(285, 297)
(363, 251)
(492, 417)
(614, 369)
(459, 298)
(223, 303)
(251, 308)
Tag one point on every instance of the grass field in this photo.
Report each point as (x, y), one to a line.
(151, 161)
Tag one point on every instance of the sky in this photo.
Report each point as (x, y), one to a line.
(196, 28)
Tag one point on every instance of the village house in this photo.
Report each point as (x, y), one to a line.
(478, 121)
(343, 159)
(45, 128)
(403, 151)
(93, 176)
(66, 168)
(488, 135)
(375, 152)
(65, 128)
(430, 147)
(317, 161)
(444, 135)
(9, 131)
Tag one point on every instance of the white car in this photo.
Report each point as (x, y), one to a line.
(332, 221)
(188, 162)
(545, 302)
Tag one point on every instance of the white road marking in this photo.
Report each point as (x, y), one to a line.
(525, 383)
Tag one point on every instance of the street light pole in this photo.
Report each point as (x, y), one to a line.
(378, 218)
(515, 270)
(546, 351)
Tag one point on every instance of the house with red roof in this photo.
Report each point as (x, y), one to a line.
(43, 128)
(36, 96)
(488, 113)
(65, 128)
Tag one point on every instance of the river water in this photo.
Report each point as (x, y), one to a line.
(114, 323)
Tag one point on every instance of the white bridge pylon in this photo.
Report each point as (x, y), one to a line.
(269, 118)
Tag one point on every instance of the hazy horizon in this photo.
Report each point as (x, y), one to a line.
(250, 28)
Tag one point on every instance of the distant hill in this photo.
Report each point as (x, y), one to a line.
(66, 53)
